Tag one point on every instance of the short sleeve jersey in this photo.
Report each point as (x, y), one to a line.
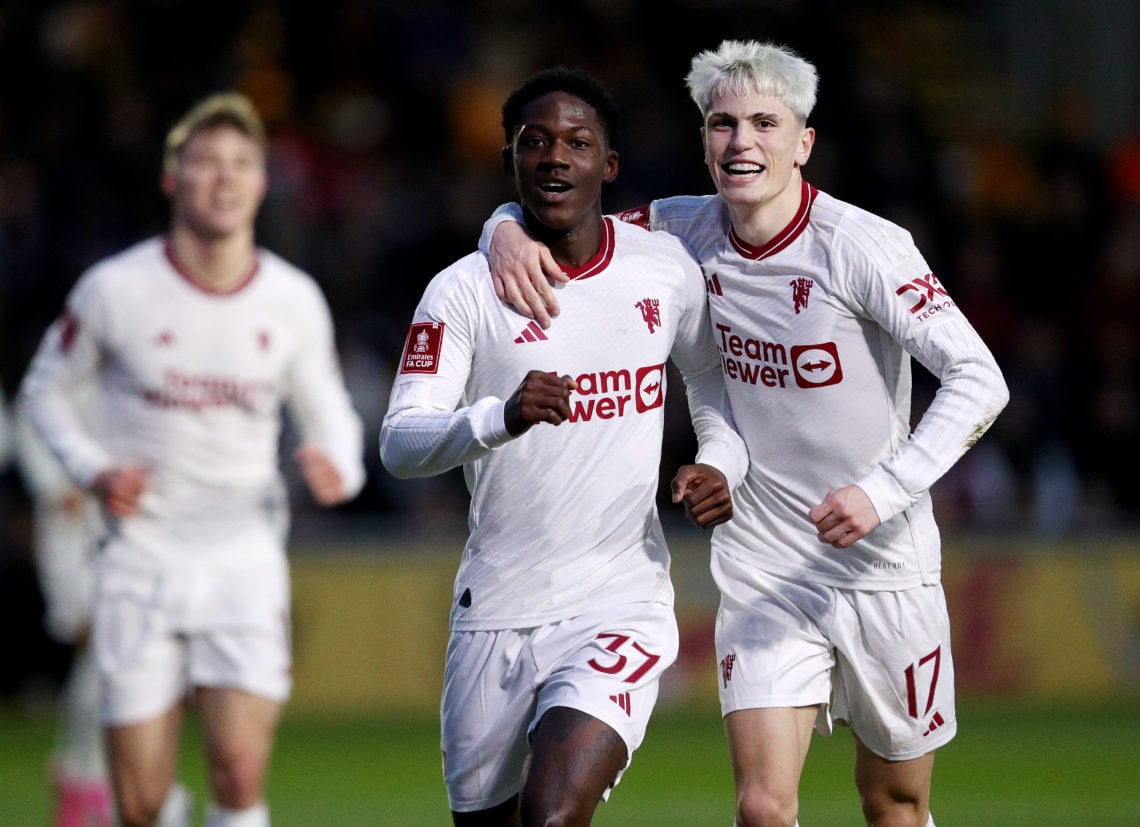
(563, 519)
(816, 331)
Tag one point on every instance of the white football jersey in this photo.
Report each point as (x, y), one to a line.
(563, 519)
(191, 385)
(816, 331)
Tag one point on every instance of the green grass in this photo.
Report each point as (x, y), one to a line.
(1011, 764)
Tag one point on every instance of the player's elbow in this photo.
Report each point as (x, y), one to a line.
(1001, 393)
(397, 460)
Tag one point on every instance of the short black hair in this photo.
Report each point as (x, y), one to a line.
(562, 79)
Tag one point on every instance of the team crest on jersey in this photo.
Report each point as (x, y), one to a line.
(650, 313)
(421, 351)
(801, 287)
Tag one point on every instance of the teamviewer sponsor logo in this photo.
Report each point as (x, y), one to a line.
(816, 366)
(614, 393)
(770, 364)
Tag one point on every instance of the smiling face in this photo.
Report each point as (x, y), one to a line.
(560, 159)
(218, 183)
(754, 147)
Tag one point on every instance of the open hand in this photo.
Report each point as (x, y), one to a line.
(321, 475)
(522, 270)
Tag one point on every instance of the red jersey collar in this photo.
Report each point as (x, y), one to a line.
(600, 261)
(197, 285)
(783, 238)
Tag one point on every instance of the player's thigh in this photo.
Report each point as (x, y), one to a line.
(142, 757)
(768, 747)
(885, 786)
(238, 726)
(575, 758)
(894, 682)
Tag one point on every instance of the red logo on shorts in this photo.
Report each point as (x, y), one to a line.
(421, 351)
(623, 700)
(726, 664)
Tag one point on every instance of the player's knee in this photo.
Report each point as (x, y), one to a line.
(238, 780)
(137, 809)
(760, 808)
(560, 813)
(894, 809)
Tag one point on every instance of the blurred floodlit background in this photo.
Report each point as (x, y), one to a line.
(1005, 136)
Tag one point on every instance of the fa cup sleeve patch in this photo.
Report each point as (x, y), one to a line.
(421, 351)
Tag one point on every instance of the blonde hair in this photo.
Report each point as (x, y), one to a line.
(222, 109)
(749, 67)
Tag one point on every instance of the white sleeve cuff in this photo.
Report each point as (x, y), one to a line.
(506, 212)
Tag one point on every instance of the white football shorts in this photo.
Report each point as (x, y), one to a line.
(499, 684)
(878, 661)
(157, 634)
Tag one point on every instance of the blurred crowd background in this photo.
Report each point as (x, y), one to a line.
(1005, 136)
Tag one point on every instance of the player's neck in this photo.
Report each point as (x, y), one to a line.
(759, 223)
(573, 247)
(216, 264)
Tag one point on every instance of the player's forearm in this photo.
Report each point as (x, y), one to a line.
(972, 394)
(47, 403)
(331, 424)
(511, 211)
(719, 444)
(422, 442)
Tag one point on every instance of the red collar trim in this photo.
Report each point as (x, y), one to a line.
(600, 261)
(783, 238)
(197, 285)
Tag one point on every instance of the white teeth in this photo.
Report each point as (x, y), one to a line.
(743, 169)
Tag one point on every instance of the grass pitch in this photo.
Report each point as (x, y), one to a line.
(1011, 764)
